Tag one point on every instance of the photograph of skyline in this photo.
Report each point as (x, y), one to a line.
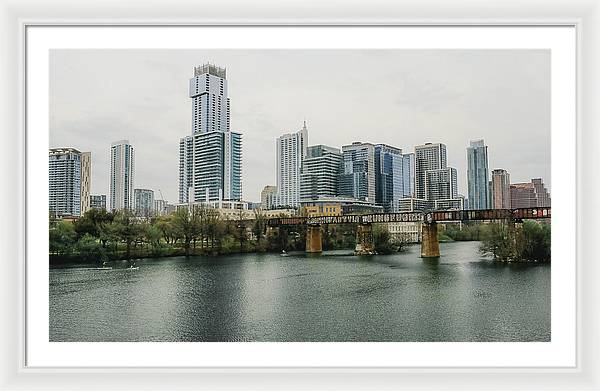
(300, 195)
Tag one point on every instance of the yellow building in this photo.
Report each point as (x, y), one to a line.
(337, 206)
(324, 209)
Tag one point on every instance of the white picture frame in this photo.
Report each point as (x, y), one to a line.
(17, 375)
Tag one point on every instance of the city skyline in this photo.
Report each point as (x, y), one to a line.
(426, 94)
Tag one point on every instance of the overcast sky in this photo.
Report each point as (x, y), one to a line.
(398, 97)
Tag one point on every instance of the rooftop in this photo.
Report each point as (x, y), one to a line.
(61, 151)
(211, 70)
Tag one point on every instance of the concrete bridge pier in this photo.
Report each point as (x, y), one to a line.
(364, 240)
(314, 239)
(430, 246)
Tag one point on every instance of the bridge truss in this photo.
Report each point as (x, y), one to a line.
(428, 217)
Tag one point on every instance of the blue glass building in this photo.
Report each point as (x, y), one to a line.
(477, 176)
(394, 176)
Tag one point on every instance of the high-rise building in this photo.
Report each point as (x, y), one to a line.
(388, 181)
(210, 99)
(529, 194)
(408, 175)
(98, 201)
(186, 165)
(144, 202)
(441, 184)
(358, 173)
(69, 181)
(122, 171)
(291, 151)
(427, 157)
(320, 173)
(394, 175)
(477, 175)
(500, 189)
(210, 159)
(86, 181)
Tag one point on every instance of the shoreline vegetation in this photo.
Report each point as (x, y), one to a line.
(505, 241)
(101, 236)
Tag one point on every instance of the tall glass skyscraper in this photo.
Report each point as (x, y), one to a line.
(408, 175)
(394, 175)
(122, 171)
(358, 174)
(477, 175)
(210, 159)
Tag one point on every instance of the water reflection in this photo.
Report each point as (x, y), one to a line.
(336, 297)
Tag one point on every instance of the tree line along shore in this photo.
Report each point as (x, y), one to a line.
(100, 236)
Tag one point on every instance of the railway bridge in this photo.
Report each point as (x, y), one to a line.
(430, 247)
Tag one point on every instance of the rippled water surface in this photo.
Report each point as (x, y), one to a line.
(334, 297)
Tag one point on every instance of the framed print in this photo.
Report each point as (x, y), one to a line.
(289, 197)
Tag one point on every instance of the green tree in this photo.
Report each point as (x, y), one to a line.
(88, 248)
(62, 238)
(187, 224)
(109, 237)
(127, 229)
(214, 227)
(166, 227)
(536, 241)
(382, 239)
(152, 236)
(506, 241)
(258, 227)
(498, 240)
(91, 222)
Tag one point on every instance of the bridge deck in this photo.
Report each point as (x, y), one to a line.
(435, 216)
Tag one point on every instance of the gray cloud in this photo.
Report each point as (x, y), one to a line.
(399, 97)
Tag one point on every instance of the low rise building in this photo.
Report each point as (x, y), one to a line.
(449, 204)
(406, 232)
(412, 204)
(336, 206)
(323, 209)
(228, 209)
(283, 212)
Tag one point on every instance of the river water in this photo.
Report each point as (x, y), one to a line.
(334, 297)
